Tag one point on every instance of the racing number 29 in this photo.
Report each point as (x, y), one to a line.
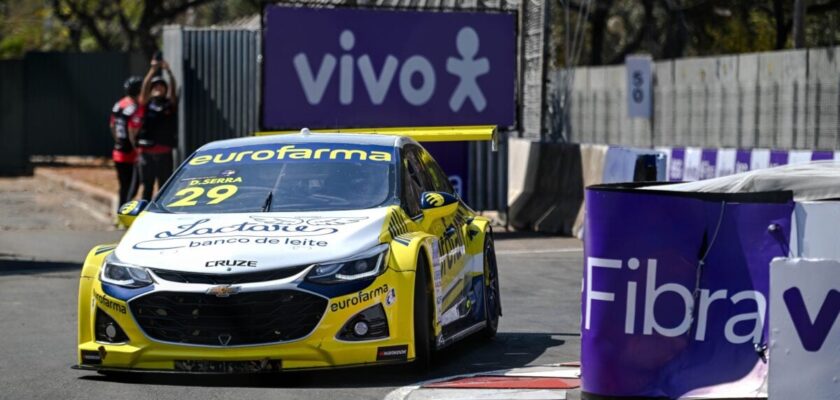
(216, 194)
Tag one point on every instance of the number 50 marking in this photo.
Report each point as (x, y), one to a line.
(216, 194)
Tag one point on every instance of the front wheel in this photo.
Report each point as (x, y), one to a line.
(492, 300)
(422, 316)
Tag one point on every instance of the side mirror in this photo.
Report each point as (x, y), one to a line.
(129, 211)
(437, 205)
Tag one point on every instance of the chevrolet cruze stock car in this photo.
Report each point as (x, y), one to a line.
(289, 252)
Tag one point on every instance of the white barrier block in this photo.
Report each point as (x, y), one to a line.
(667, 152)
(799, 156)
(815, 230)
(692, 163)
(804, 329)
(521, 154)
(725, 162)
(760, 159)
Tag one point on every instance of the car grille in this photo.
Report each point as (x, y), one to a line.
(241, 319)
(228, 279)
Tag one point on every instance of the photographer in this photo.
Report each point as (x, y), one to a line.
(157, 139)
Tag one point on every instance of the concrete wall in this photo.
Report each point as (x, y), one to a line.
(784, 100)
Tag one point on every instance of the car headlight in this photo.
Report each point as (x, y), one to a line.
(369, 264)
(117, 273)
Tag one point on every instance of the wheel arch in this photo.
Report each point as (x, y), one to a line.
(90, 269)
(478, 230)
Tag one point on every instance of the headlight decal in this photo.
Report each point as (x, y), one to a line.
(125, 275)
(122, 293)
(122, 281)
(369, 264)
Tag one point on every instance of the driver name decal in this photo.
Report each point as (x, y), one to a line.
(214, 181)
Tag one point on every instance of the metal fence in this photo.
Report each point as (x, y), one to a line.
(532, 63)
(68, 99)
(218, 70)
(59, 103)
(785, 100)
(13, 159)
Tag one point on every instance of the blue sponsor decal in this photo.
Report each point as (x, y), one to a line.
(122, 293)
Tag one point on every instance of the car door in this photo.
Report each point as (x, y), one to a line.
(455, 300)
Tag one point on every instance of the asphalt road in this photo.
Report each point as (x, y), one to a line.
(39, 266)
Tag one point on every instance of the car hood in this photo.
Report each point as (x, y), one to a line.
(248, 242)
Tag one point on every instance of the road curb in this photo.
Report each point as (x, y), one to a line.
(103, 197)
(432, 389)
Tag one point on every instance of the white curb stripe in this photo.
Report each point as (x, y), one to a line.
(566, 374)
(487, 394)
(417, 392)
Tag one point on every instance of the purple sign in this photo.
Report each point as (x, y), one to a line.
(452, 158)
(742, 160)
(336, 67)
(778, 157)
(675, 289)
(708, 161)
(819, 155)
(676, 165)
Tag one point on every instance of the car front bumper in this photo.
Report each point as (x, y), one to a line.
(320, 348)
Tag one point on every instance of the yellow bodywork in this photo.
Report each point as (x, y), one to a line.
(320, 349)
(420, 134)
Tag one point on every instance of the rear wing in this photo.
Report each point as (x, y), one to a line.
(470, 133)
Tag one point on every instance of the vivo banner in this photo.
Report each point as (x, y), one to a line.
(363, 68)
(805, 329)
(675, 290)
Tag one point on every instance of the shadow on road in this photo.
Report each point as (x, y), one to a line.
(501, 234)
(29, 267)
(507, 350)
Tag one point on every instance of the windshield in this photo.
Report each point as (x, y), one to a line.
(299, 177)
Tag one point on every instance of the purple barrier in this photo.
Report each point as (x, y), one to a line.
(695, 163)
(675, 288)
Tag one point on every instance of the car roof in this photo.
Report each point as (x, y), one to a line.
(333, 138)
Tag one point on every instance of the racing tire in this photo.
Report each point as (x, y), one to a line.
(422, 317)
(492, 298)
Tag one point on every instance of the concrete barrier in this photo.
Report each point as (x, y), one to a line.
(625, 164)
(552, 204)
(523, 154)
(592, 158)
(546, 180)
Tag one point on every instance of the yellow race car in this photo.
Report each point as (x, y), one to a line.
(290, 252)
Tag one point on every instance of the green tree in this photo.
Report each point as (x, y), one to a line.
(103, 25)
(608, 30)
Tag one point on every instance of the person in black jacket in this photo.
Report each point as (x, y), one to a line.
(158, 138)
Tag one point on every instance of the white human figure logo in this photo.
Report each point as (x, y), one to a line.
(468, 69)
